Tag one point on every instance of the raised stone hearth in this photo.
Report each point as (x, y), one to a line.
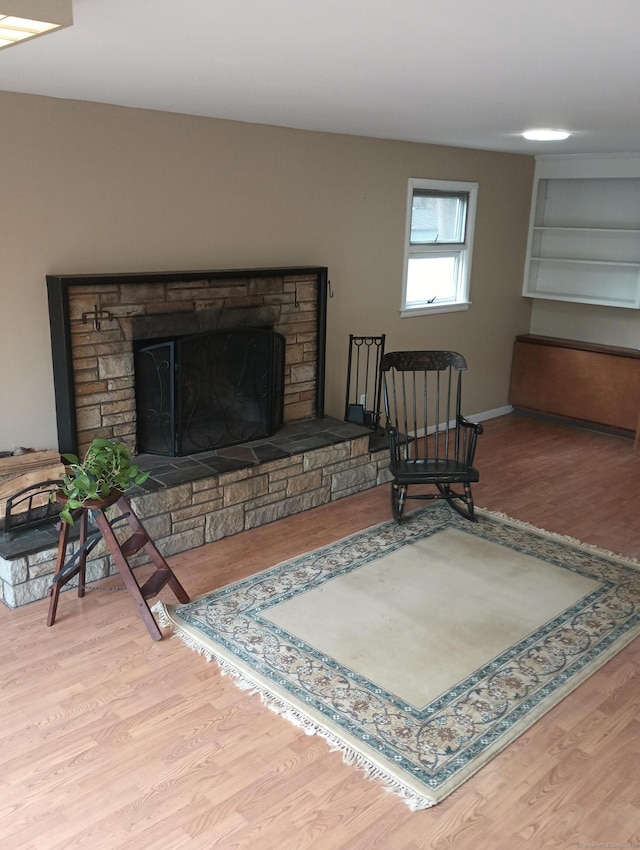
(190, 501)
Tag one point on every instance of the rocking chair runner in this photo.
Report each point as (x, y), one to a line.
(430, 442)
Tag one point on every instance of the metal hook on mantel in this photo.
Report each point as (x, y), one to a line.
(331, 292)
(98, 316)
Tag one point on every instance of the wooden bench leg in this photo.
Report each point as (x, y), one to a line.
(80, 569)
(54, 591)
(127, 575)
(163, 575)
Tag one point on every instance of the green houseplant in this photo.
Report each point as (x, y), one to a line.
(106, 468)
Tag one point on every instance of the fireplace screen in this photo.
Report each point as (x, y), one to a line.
(210, 390)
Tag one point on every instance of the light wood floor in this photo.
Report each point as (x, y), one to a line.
(108, 740)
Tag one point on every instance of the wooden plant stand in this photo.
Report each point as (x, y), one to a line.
(120, 552)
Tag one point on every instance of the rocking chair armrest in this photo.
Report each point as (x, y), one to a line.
(466, 423)
(402, 447)
(475, 429)
(394, 447)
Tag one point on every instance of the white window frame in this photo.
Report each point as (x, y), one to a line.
(462, 250)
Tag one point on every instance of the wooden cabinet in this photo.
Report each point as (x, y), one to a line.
(584, 235)
(594, 384)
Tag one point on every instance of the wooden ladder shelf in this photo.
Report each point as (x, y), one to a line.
(66, 570)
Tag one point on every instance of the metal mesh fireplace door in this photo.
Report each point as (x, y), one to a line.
(210, 390)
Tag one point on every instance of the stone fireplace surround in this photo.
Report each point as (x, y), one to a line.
(190, 501)
(95, 319)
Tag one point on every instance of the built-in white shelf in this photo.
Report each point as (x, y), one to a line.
(586, 262)
(584, 235)
(589, 229)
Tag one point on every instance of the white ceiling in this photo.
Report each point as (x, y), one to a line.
(471, 73)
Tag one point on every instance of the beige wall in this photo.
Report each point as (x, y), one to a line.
(93, 188)
(586, 322)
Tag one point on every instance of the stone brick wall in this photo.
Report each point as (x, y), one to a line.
(191, 514)
(103, 358)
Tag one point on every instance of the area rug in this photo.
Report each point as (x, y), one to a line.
(421, 650)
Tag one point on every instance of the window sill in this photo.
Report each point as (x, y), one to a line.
(435, 308)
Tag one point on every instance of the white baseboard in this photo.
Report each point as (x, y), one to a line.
(476, 417)
(491, 414)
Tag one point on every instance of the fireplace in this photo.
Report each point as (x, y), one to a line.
(98, 322)
(251, 338)
(207, 391)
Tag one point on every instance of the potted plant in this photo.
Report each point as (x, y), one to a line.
(106, 471)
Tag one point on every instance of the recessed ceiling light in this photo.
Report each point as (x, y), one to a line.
(544, 135)
(24, 19)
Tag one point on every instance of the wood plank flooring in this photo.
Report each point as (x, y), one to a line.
(109, 740)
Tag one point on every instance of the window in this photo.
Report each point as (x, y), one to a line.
(439, 242)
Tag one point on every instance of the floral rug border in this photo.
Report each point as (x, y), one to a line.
(421, 753)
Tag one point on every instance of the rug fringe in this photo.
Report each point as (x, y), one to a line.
(561, 538)
(415, 801)
(165, 621)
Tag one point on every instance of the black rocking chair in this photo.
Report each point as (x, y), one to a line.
(430, 442)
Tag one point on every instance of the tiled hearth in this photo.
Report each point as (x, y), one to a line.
(189, 501)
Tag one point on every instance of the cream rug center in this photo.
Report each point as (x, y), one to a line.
(392, 619)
